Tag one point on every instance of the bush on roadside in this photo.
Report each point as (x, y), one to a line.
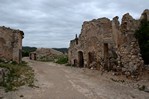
(62, 59)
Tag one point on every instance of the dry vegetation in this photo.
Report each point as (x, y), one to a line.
(17, 75)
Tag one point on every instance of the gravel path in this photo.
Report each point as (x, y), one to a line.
(62, 82)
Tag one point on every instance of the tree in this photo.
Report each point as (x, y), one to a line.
(142, 34)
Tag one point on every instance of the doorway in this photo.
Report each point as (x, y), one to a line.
(75, 62)
(106, 56)
(91, 57)
(81, 59)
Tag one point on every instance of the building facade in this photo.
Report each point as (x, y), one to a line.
(107, 44)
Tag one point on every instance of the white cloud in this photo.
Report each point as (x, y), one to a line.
(53, 23)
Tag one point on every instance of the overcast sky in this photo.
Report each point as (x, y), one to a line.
(53, 23)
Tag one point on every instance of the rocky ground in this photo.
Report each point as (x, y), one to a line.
(62, 82)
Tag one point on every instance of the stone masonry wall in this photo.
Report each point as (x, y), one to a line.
(107, 44)
(10, 44)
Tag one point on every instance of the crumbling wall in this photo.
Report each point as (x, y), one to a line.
(10, 44)
(107, 44)
(145, 15)
(129, 57)
(92, 40)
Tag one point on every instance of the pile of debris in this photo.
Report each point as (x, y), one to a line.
(45, 54)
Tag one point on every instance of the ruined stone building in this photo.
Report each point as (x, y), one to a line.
(11, 44)
(44, 54)
(107, 44)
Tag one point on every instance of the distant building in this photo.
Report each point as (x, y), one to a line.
(11, 44)
(44, 54)
(32, 55)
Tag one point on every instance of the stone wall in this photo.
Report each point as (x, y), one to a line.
(107, 44)
(10, 44)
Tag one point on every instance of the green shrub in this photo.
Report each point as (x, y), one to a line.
(142, 34)
(62, 59)
(46, 59)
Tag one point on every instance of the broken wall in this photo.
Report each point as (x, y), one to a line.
(11, 44)
(107, 44)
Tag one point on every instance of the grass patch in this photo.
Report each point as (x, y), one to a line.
(18, 75)
(46, 59)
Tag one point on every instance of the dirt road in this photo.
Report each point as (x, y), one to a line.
(63, 82)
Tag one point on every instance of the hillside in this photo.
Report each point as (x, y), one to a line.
(63, 50)
(27, 49)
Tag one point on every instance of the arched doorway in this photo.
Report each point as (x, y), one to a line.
(91, 57)
(81, 59)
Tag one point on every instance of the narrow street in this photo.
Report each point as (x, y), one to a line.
(63, 82)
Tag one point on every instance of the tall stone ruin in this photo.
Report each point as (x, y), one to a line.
(107, 44)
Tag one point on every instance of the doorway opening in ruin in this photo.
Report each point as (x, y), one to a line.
(30, 56)
(91, 57)
(35, 56)
(81, 59)
(106, 56)
(75, 62)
